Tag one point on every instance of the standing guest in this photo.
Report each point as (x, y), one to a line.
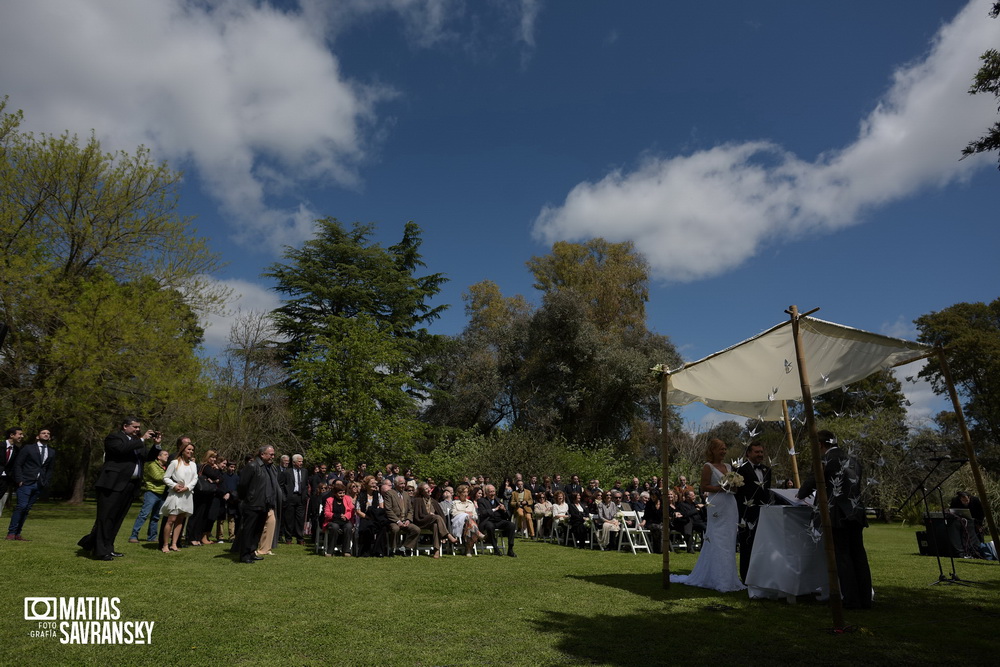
(117, 484)
(295, 490)
(493, 517)
(154, 493)
(11, 445)
(521, 502)
(32, 474)
(231, 501)
(655, 482)
(206, 493)
(843, 475)
(286, 460)
(506, 491)
(557, 484)
(258, 492)
(534, 486)
(399, 512)
(427, 513)
(180, 478)
(338, 521)
(682, 487)
(634, 486)
(755, 492)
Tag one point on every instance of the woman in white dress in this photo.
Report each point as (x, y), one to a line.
(463, 518)
(716, 566)
(181, 477)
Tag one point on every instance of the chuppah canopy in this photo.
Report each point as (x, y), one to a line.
(752, 378)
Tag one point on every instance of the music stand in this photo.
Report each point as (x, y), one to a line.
(932, 536)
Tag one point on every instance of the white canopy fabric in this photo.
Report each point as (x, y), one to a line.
(752, 378)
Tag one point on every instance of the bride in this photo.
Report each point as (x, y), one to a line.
(716, 566)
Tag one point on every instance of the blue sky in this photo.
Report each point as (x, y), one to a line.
(760, 154)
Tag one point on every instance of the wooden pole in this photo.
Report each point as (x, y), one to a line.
(665, 476)
(791, 444)
(822, 499)
(969, 449)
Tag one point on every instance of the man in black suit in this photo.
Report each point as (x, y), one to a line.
(493, 516)
(7, 457)
(755, 492)
(259, 492)
(843, 475)
(574, 486)
(117, 484)
(295, 488)
(32, 474)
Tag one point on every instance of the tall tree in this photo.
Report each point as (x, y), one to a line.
(100, 282)
(357, 346)
(970, 334)
(987, 80)
(612, 278)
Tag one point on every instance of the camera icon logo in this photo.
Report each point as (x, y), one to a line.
(40, 609)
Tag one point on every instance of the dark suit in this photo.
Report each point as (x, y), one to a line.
(749, 498)
(32, 474)
(117, 485)
(7, 458)
(259, 493)
(293, 511)
(493, 517)
(843, 475)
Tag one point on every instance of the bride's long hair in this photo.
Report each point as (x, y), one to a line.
(710, 448)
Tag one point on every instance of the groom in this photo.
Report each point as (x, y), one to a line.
(755, 492)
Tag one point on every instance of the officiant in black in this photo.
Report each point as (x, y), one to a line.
(755, 493)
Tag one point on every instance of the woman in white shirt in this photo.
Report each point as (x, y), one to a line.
(463, 518)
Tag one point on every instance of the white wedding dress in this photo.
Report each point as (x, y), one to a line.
(716, 565)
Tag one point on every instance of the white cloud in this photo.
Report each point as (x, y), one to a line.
(702, 214)
(240, 90)
(246, 296)
(924, 403)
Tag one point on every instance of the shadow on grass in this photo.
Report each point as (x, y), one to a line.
(922, 625)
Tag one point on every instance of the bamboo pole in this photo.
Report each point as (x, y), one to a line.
(822, 500)
(791, 444)
(665, 476)
(969, 449)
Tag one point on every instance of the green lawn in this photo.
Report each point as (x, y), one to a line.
(550, 606)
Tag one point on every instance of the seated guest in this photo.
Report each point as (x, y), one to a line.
(316, 502)
(427, 514)
(607, 516)
(338, 516)
(639, 500)
(542, 510)
(521, 502)
(464, 519)
(652, 520)
(369, 515)
(682, 487)
(560, 512)
(399, 512)
(679, 521)
(493, 517)
(578, 517)
(695, 511)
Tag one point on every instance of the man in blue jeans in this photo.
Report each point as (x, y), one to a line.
(154, 491)
(32, 474)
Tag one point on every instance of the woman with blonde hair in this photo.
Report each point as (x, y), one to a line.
(180, 477)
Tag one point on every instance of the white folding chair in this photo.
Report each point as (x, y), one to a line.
(634, 535)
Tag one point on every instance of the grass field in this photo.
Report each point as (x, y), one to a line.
(550, 606)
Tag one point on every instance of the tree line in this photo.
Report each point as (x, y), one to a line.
(103, 290)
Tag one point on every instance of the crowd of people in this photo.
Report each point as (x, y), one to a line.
(192, 500)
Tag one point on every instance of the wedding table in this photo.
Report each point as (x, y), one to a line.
(786, 561)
